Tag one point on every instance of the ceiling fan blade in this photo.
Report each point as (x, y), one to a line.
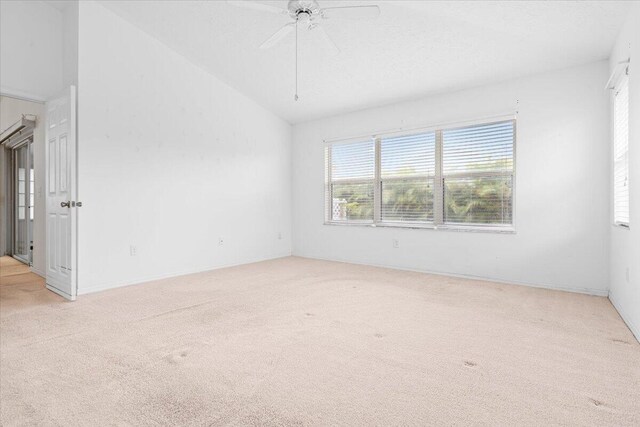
(351, 12)
(278, 35)
(327, 40)
(247, 4)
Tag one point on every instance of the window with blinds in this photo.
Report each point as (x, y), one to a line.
(350, 183)
(477, 174)
(449, 178)
(621, 153)
(407, 177)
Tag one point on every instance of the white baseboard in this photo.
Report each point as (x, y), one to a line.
(38, 272)
(587, 291)
(144, 279)
(635, 330)
(59, 292)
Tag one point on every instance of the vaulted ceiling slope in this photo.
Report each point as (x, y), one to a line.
(414, 48)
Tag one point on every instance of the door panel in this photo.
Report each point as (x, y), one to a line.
(51, 165)
(52, 259)
(61, 195)
(64, 230)
(63, 164)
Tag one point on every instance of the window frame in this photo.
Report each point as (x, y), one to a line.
(438, 220)
(622, 80)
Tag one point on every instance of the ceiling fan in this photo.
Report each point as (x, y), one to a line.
(309, 15)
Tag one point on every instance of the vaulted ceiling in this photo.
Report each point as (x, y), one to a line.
(413, 49)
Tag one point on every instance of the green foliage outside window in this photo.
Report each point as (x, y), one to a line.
(483, 200)
(478, 200)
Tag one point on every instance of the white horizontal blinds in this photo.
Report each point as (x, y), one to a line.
(352, 181)
(621, 153)
(477, 174)
(407, 174)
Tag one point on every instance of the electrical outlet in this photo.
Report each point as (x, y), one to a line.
(220, 241)
(396, 243)
(279, 235)
(133, 250)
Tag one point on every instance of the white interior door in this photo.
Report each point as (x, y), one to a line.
(61, 194)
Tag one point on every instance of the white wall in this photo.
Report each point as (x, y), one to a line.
(31, 49)
(170, 159)
(70, 44)
(562, 186)
(10, 111)
(625, 244)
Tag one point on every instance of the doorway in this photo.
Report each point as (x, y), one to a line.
(18, 217)
(38, 188)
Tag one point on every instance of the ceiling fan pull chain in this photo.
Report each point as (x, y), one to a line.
(296, 95)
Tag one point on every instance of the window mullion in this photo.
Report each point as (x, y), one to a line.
(377, 187)
(438, 194)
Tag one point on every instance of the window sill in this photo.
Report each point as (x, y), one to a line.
(463, 228)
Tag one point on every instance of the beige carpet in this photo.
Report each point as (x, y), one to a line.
(303, 342)
(11, 267)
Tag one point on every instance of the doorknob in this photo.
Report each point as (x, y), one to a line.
(65, 204)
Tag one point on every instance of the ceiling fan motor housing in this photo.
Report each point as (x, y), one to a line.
(303, 9)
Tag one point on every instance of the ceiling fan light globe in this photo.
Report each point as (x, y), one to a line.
(304, 17)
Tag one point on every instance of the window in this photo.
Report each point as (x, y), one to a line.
(407, 177)
(621, 153)
(451, 178)
(477, 174)
(351, 172)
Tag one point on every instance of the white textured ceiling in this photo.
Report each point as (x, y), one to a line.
(413, 49)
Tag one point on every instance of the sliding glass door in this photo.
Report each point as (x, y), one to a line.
(23, 201)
